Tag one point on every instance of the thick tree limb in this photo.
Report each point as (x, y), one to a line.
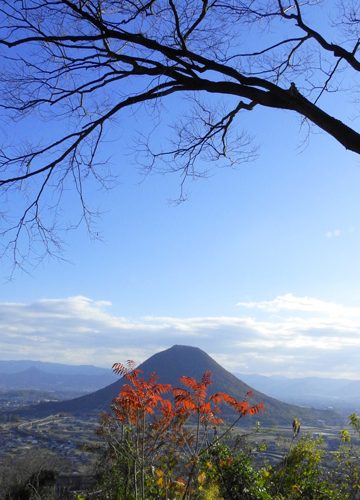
(91, 60)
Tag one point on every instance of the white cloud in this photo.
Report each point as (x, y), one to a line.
(292, 303)
(333, 233)
(289, 334)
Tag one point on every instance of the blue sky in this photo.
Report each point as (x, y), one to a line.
(208, 272)
(229, 270)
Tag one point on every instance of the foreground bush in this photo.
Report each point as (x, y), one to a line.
(31, 476)
(171, 443)
(159, 436)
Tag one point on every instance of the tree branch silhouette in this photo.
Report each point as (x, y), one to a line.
(90, 60)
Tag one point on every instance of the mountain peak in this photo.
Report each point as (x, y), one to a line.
(182, 347)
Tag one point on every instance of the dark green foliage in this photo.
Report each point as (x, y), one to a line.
(234, 473)
(302, 475)
(347, 470)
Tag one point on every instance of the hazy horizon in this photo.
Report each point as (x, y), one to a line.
(237, 374)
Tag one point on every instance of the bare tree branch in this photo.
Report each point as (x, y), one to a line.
(90, 60)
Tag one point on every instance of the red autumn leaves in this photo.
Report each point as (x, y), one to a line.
(140, 397)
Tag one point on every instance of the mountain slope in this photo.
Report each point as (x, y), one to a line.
(170, 365)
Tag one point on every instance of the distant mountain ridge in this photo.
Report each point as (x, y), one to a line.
(15, 366)
(37, 375)
(307, 390)
(170, 365)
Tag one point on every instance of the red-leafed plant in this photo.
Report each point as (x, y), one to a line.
(194, 401)
(140, 397)
(162, 431)
(136, 401)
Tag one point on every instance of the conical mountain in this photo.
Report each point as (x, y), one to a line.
(175, 362)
